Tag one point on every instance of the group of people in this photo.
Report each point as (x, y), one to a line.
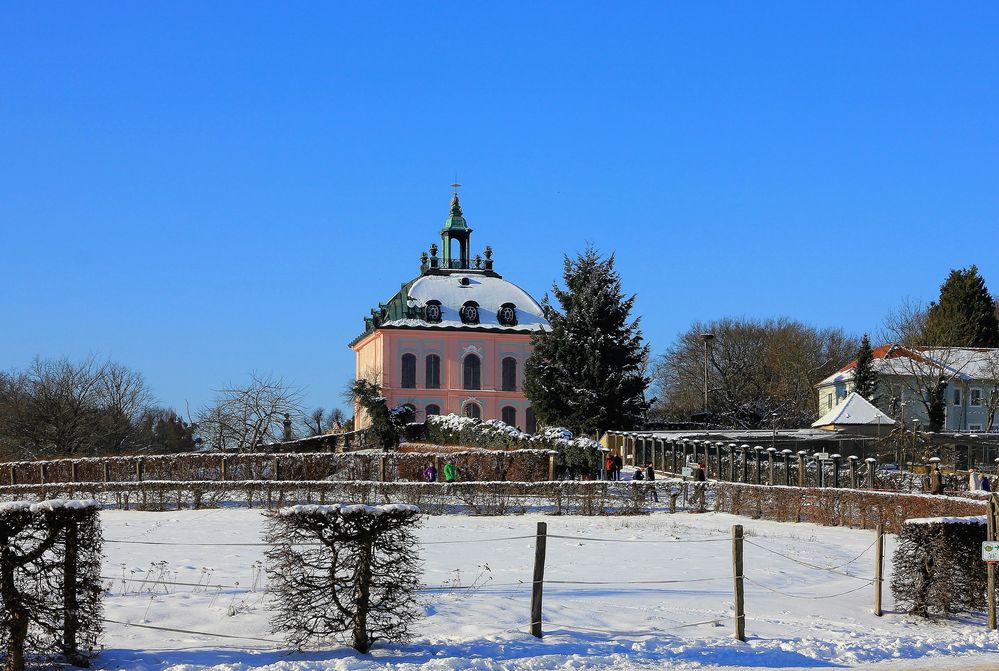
(450, 472)
(977, 482)
(614, 465)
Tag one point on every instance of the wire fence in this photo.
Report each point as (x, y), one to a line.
(152, 582)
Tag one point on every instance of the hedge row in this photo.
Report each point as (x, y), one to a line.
(842, 507)
(479, 498)
(526, 465)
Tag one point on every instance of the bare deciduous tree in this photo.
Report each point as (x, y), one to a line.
(247, 417)
(755, 368)
(59, 407)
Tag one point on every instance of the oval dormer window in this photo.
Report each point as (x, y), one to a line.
(507, 315)
(433, 312)
(470, 313)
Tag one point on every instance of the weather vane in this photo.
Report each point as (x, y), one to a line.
(455, 186)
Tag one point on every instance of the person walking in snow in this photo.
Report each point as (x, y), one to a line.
(618, 465)
(638, 474)
(430, 473)
(936, 480)
(450, 472)
(986, 483)
(974, 480)
(699, 473)
(650, 475)
(610, 467)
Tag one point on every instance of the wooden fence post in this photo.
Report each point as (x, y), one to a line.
(13, 474)
(107, 472)
(801, 468)
(222, 469)
(138, 469)
(381, 467)
(276, 469)
(853, 471)
(871, 467)
(537, 587)
(990, 586)
(42, 472)
(740, 594)
(73, 474)
(551, 464)
(879, 567)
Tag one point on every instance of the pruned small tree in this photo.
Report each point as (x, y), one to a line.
(344, 573)
(50, 586)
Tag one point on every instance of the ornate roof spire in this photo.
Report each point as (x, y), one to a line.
(455, 205)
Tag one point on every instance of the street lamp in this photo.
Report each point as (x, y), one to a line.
(773, 443)
(706, 338)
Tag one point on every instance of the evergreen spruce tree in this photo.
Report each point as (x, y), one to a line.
(587, 372)
(965, 315)
(865, 378)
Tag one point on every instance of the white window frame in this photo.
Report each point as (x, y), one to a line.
(829, 401)
(958, 398)
(977, 428)
(971, 397)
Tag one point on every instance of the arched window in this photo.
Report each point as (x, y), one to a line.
(509, 374)
(409, 371)
(473, 410)
(509, 415)
(433, 371)
(432, 409)
(530, 423)
(472, 372)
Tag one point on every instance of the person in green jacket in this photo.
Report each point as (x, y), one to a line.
(450, 472)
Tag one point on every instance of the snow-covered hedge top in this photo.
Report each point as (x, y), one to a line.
(48, 506)
(349, 509)
(973, 519)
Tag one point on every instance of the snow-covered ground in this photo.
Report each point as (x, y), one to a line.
(613, 610)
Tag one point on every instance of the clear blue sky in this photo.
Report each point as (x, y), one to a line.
(200, 190)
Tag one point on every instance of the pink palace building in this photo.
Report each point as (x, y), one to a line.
(455, 338)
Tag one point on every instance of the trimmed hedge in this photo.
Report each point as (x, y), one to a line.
(836, 507)
(938, 568)
(575, 455)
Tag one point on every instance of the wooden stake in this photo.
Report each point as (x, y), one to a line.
(990, 586)
(537, 589)
(879, 567)
(740, 594)
(222, 469)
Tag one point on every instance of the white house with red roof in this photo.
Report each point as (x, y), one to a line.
(971, 375)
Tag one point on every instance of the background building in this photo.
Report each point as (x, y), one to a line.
(455, 338)
(905, 374)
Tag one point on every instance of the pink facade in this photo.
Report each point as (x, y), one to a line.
(380, 358)
(454, 339)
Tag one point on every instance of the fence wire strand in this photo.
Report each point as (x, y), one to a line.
(816, 566)
(804, 596)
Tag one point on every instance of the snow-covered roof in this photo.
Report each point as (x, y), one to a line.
(489, 292)
(854, 410)
(961, 363)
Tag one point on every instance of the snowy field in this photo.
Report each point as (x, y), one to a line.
(616, 606)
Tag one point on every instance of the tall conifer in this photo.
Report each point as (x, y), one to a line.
(587, 372)
(965, 314)
(865, 378)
